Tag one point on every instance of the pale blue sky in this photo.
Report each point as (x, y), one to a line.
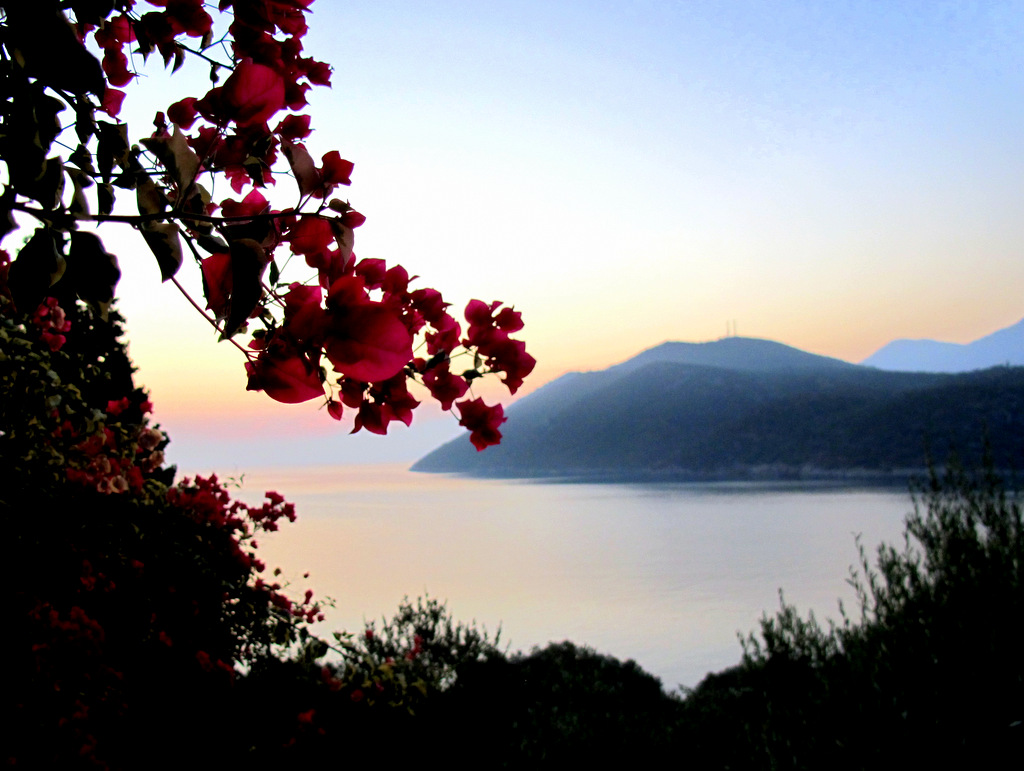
(831, 175)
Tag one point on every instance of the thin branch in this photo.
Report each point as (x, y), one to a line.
(213, 322)
(138, 219)
(201, 55)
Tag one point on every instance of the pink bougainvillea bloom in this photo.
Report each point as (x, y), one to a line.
(510, 356)
(509, 320)
(293, 128)
(284, 373)
(183, 113)
(367, 341)
(444, 386)
(187, 16)
(217, 280)
(116, 406)
(317, 72)
(336, 170)
(311, 235)
(352, 219)
(482, 422)
(250, 206)
(364, 339)
(115, 65)
(253, 93)
(112, 101)
(303, 315)
(372, 272)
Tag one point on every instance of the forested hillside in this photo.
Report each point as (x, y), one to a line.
(738, 408)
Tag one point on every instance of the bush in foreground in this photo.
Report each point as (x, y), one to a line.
(929, 671)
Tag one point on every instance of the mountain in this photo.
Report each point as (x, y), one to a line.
(1003, 347)
(741, 407)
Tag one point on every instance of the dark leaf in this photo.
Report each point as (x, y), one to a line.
(260, 230)
(82, 158)
(92, 11)
(7, 223)
(79, 203)
(49, 187)
(303, 167)
(165, 242)
(248, 261)
(148, 196)
(177, 157)
(45, 42)
(112, 149)
(345, 237)
(143, 40)
(26, 167)
(85, 120)
(210, 243)
(94, 269)
(126, 181)
(105, 198)
(47, 125)
(38, 266)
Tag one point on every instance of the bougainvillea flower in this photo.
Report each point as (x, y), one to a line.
(510, 356)
(318, 73)
(395, 394)
(478, 313)
(284, 373)
(366, 341)
(293, 128)
(115, 32)
(445, 336)
(372, 272)
(183, 112)
(311, 235)
(352, 391)
(509, 320)
(335, 170)
(217, 283)
(396, 282)
(482, 422)
(252, 205)
(303, 315)
(352, 219)
(253, 93)
(430, 303)
(115, 65)
(112, 100)
(334, 409)
(391, 401)
(187, 16)
(444, 386)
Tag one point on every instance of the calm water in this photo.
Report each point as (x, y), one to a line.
(665, 574)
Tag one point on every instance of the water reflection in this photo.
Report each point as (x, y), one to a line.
(664, 573)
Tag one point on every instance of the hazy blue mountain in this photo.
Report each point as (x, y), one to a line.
(1003, 347)
(740, 407)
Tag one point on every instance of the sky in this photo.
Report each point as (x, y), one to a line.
(830, 175)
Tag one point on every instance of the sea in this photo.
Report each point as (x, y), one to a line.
(666, 574)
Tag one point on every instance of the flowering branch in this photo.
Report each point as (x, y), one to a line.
(359, 317)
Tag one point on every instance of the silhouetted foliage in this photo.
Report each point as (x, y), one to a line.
(929, 672)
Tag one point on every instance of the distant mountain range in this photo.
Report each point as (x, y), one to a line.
(747, 408)
(1003, 347)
